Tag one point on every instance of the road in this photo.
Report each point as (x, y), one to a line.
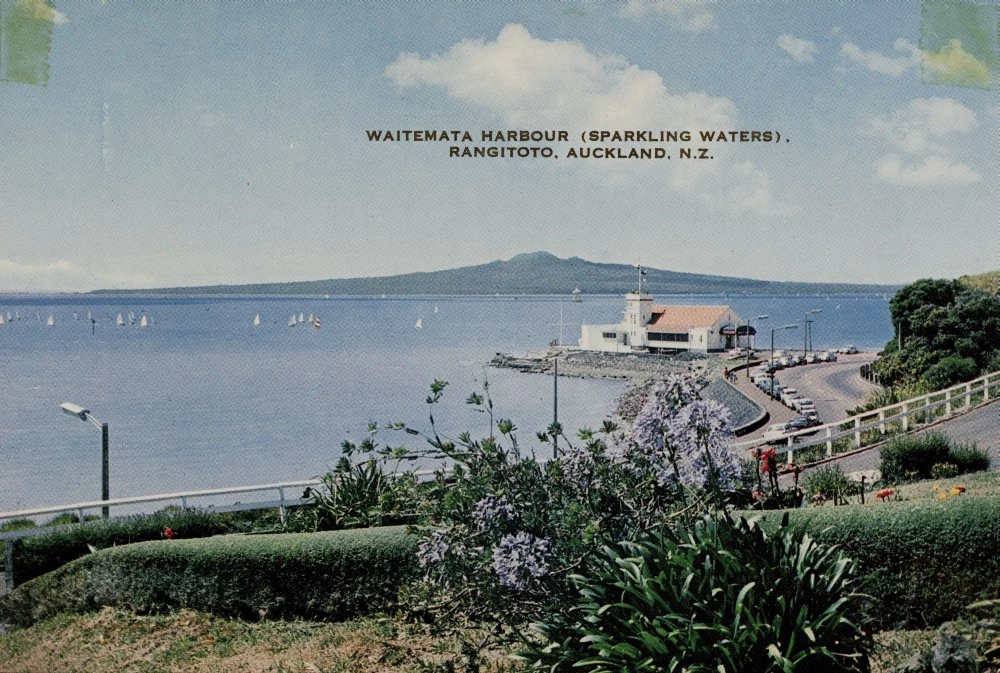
(834, 387)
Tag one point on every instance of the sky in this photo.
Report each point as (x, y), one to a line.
(195, 143)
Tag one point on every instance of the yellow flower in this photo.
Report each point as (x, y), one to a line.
(943, 495)
(936, 487)
(956, 491)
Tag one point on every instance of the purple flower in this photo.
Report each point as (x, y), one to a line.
(519, 560)
(577, 465)
(490, 511)
(434, 549)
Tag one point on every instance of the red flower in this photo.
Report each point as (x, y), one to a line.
(884, 494)
(168, 533)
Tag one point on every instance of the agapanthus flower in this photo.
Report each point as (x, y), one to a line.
(520, 560)
(434, 548)
(577, 465)
(491, 511)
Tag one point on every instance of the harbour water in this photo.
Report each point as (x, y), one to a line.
(202, 398)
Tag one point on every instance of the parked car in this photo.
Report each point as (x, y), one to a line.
(786, 361)
(811, 358)
(787, 395)
(802, 423)
(847, 350)
(776, 432)
(737, 353)
(828, 356)
(800, 402)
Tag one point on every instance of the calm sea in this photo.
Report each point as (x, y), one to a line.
(202, 398)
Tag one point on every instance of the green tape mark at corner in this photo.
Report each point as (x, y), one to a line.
(25, 40)
(960, 43)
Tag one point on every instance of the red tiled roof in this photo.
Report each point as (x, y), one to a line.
(683, 318)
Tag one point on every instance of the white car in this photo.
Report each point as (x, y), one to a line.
(828, 356)
(738, 353)
(787, 395)
(847, 350)
(800, 402)
(776, 432)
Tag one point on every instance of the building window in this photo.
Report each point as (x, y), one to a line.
(668, 336)
(610, 335)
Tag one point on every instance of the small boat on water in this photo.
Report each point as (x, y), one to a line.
(420, 323)
(1, 320)
(291, 321)
(576, 295)
(90, 317)
(302, 317)
(120, 321)
(75, 316)
(435, 308)
(143, 322)
(316, 322)
(51, 321)
(256, 320)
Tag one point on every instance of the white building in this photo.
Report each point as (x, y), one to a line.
(658, 329)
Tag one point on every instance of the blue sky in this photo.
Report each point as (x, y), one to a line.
(196, 143)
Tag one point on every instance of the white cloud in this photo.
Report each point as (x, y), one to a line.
(920, 131)
(558, 84)
(880, 63)
(687, 15)
(933, 170)
(799, 49)
(64, 276)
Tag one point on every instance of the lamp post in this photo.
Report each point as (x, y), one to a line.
(807, 331)
(760, 317)
(773, 330)
(85, 415)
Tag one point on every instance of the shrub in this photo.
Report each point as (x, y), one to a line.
(332, 575)
(924, 560)
(916, 454)
(717, 595)
(944, 471)
(830, 482)
(34, 556)
(969, 458)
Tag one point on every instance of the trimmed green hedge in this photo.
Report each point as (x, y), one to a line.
(925, 560)
(325, 576)
(34, 556)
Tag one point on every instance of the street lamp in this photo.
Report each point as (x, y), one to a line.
(807, 331)
(773, 330)
(85, 415)
(750, 323)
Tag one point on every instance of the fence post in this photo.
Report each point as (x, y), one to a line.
(906, 418)
(282, 512)
(79, 513)
(829, 442)
(184, 503)
(8, 564)
(947, 402)
(986, 388)
(881, 424)
(857, 432)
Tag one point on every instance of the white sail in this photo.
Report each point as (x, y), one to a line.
(435, 308)
(75, 316)
(256, 320)
(8, 316)
(51, 321)
(144, 322)
(302, 317)
(1, 320)
(310, 318)
(89, 316)
(420, 323)
(131, 318)
(291, 321)
(120, 321)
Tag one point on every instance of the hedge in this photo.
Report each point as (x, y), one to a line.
(323, 576)
(925, 560)
(37, 555)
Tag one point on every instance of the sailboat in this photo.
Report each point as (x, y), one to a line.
(90, 318)
(310, 318)
(1, 320)
(8, 316)
(420, 323)
(576, 295)
(131, 318)
(120, 321)
(316, 322)
(291, 321)
(256, 320)
(302, 317)
(144, 322)
(435, 308)
(75, 316)
(51, 321)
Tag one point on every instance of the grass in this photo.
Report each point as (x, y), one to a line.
(114, 640)
(976, 483)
